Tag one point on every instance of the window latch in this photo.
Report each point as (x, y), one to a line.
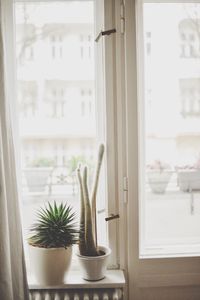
(106, 32)
(112, 217)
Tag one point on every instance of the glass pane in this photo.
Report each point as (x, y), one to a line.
(56, 100)
(171, 202)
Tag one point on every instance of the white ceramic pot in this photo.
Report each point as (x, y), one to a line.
(158, 181)
(50, 265)
(189, 180)
(37, 178)
(94, 267)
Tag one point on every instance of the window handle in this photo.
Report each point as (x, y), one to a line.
(112, 217)
(106, 32)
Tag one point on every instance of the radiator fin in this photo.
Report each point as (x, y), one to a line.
(86, 296)
(105, 296)
(76, 297)
(78, 294)
(95, 297)
(47, 296)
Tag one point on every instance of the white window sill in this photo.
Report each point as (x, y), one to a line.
(113, 279)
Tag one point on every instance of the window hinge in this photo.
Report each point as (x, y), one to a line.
(122, 17)
(125, 189)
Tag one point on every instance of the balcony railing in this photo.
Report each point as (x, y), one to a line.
(49, 181)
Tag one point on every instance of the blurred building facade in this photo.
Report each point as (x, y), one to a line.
(172, 83)
(56, 96)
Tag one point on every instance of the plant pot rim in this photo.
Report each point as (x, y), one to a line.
(50, 249)
(107, 253)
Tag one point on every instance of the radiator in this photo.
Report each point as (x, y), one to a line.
(77, 294)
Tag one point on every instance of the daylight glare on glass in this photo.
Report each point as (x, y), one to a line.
(171, 209)
(56, 101)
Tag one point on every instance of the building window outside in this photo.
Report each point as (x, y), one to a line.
(86, 46)
(82, 108)
(27, 95)
(57, 102)
(56, 42)
(29, 53)
(189, 34)
(86, 102)
(190, 97)
(148, 42)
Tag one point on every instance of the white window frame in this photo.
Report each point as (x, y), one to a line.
(106, 130)
(145, 273)
(106, 115)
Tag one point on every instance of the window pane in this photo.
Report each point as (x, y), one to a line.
(56, 97)
(170, 207)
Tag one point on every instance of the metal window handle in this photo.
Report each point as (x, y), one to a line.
(106, 32)
(112, 217)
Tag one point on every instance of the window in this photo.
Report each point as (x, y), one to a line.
(56, 41)
(55, 98)
(86, 103)
(86, 46)
(170, 211)
(160, 260)
(27, 98)
(57, 137)
(148, 43)
(190, 97)
(189, 34)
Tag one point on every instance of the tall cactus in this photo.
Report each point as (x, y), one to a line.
(88, 232)
(82, 244)
(94, 191)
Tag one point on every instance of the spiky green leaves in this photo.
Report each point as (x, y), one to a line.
(55, 227)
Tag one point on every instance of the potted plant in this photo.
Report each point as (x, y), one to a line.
(159, 174)
(50, 243)
(37, 174)
(93, 258)
(188, 177)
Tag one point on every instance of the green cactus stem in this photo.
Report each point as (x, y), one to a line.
(88, 229)
(94, 191)
(82, 245)
(89, 239)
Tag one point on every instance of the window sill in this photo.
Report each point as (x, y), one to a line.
(113, 279)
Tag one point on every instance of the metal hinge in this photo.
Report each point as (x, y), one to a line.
(125, 189)
(122, 17)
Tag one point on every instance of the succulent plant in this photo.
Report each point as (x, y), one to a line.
(55, 227)
(88, 231)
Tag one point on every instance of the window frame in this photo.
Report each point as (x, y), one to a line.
(106, 130)
(106, 91)
(144, 273)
